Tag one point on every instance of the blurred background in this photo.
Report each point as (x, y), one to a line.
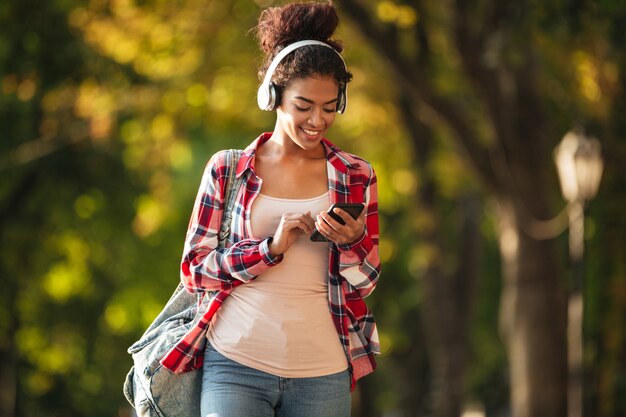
(503, 290)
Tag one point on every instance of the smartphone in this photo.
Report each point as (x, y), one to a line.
(353, 209)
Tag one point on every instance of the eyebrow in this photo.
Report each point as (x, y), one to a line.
(312, 102)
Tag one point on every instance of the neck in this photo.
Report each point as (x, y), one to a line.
(281, 145)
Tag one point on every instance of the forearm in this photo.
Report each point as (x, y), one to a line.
(204, 268)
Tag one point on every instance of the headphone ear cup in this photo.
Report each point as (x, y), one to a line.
(266, 96)
(342, 99)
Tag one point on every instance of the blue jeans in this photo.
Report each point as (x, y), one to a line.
(230, 389)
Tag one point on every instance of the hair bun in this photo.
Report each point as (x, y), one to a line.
(282, 25)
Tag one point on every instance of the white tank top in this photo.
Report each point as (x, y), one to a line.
(280, 323)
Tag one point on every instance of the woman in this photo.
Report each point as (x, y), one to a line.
(288, 332)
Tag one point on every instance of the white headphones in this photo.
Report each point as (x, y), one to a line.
(266, 96)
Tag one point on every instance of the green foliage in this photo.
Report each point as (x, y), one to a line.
(109, 111)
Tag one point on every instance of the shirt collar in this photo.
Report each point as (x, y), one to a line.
(340, 160)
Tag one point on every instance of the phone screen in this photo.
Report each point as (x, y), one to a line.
(353, 209)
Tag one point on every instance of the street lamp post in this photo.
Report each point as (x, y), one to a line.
(579, 164)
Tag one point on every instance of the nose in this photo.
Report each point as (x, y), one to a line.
(316, 118)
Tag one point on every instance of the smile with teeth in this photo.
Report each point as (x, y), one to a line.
(311, 132)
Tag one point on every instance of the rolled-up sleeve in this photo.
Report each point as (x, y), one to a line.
(204, 265)
(359, 262)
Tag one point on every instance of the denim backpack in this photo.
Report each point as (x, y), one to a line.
(153, 390)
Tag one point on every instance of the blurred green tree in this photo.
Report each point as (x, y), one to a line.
(504, 80)
(105, 106)
(110, 108)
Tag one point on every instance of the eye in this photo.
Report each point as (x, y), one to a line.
(330, 110)
(302, 108)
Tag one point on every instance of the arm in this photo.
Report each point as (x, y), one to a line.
(359, 261)
(204, 265)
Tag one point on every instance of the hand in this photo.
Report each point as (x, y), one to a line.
(291, 225)
(340, 234)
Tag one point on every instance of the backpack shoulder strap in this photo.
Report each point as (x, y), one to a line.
(230, 193)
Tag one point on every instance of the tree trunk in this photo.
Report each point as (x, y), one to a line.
(448, 301)
(533, 320)
(448, 295)
(8, 379)
(9, 355)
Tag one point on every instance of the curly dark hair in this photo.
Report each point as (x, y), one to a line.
(283, 25)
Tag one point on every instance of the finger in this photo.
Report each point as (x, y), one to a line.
(339, 233)
(308, 217)
(325, 229)
(334, 224)
(307, 229)
(303, 217)
(345, 216)
(307, 226)
(308, 220)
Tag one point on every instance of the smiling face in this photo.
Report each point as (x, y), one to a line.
(308, 108)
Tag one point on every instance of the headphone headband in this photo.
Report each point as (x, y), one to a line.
(266, 96)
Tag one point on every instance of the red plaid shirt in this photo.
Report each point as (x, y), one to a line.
(353, 269)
